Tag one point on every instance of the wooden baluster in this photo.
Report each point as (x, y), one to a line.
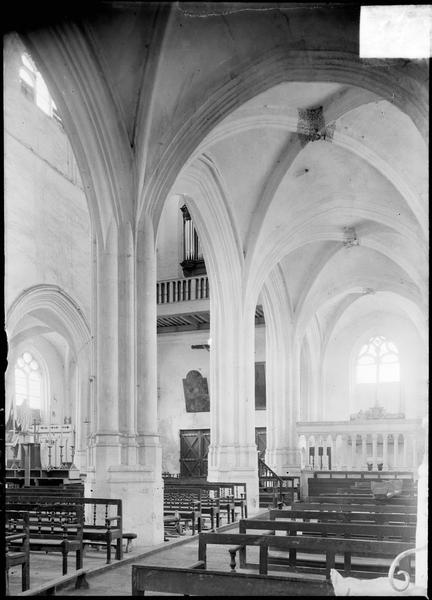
(232, 552)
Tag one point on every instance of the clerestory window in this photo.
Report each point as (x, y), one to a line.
(34, 87)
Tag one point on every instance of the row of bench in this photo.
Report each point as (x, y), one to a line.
(61, 521)
(187, 503)
(331, 482)
(306, 541)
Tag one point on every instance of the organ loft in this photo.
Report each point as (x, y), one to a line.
(215, 299)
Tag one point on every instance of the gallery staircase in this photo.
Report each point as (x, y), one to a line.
(275, 491)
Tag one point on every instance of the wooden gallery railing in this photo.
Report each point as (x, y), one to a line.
(275, 489)
(182, 290)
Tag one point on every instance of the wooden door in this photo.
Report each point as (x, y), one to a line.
(194, 445)
(261, 441)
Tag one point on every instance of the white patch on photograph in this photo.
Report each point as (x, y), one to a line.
(402, 31)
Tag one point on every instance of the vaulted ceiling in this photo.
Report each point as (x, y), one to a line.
(319, 158)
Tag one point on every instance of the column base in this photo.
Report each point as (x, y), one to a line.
(142, 496)
(284, 461)
(236, 464)
(138, 485)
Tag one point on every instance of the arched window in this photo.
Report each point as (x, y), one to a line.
(28, 391)
(377, 376)
(34, 87)
(378, 362)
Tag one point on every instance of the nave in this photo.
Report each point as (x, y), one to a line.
(216, 271)
(366, 529)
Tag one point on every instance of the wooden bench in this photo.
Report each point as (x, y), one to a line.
(104, 524)
(56, 527)
(328, 482)
(377, 507)
(102, 516)
(405, 533)
(202, 582)
(231, 494)
(207, 499)
(363, 499)
(181, 504)
(17, 546)
(32, 491)
(340, 516)
(326, 556)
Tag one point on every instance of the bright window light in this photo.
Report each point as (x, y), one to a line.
(378, 362)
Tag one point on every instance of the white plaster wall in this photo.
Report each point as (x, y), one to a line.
(47, 226)
(175, 360)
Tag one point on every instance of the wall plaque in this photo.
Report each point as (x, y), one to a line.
(196, 392)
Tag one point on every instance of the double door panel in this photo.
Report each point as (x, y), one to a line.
(194, 445)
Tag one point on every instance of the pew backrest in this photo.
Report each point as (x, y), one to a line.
(342, 506)
(350, 530)
(380, 518)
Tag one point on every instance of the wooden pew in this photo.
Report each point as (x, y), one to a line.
(62, 491)
(339, 516)
(210, 504)
(231, 494)
(17, 546)
(404, 533)
(363, 499)
(328, 482)
(370, 507)
(326, 556)
(102, 516)
(57, 527)
(178, 503)
(203, 582)
(104, 524)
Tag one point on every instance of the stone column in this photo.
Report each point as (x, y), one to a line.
(395, 451)
(353, 450)
(232, 452)
(374, 448)
(127, 453)
(143, 478)
(106, 441)
(364, 451)
(385, 452)
(405, 451)
(414, 452)
(339, 449)
(282, 381)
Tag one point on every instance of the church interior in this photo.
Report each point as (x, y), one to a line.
(215, 275)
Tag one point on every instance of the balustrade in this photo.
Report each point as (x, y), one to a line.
(373, 444)
(182, 290)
